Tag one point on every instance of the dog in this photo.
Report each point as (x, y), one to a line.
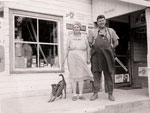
(57, 89)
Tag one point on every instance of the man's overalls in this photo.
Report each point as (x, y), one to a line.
(102, 59)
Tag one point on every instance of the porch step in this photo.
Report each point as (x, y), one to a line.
(127, 101)
(142, 106)
(129, 107)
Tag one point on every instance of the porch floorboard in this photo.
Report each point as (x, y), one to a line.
(39, 104)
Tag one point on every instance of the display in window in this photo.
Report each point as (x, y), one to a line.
(36, 43)
(27, 53)
(18, 49)
(51, 55)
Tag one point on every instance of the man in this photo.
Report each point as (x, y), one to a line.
(103, 40)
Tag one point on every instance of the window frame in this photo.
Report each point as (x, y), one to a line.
(38, 16)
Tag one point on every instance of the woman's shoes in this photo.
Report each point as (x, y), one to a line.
(81, 98)
(74, 98)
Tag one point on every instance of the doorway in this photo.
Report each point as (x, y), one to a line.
(132, 49)
(123, 52)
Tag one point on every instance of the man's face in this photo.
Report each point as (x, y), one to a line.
(101, 22)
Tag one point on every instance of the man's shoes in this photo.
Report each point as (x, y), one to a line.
(111, 97)
(94, 97)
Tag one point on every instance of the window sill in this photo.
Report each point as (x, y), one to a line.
(27, 71)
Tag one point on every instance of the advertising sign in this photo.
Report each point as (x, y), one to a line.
(143, 71)
(138, 2)
(2, 61)
(1, 31)
(69, 26)
(122, 78)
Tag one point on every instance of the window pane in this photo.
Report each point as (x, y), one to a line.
(25, 28)
(49, 55)
(47, 31)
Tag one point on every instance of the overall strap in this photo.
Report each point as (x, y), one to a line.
(111, 42)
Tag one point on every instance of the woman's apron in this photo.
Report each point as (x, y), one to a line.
(102, 56)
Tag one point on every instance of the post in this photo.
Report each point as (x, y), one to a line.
(147, 13)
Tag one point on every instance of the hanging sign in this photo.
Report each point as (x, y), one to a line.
(2, 61)
(1, 31)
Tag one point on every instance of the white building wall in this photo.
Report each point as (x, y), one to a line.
(147, 11)
(39, 83)
(112, 8)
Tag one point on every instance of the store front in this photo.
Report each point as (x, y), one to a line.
(33, 36)
(131, 24)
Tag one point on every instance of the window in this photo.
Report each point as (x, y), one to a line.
(36, 42)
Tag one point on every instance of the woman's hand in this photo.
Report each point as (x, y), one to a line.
(88, 61)
(63, 63)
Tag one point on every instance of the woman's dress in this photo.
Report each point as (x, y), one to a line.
(77, 58)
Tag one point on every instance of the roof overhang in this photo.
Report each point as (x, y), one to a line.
(138, 2)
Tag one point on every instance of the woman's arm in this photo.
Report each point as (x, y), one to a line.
(88, 51)
(66, 50)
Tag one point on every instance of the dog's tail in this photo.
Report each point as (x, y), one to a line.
(62, 77)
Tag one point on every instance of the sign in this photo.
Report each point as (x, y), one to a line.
(138, 2)
(70, 27)
(143, 71)
(1, 31)
(2, 60)
(70, 14)
(76, 15)
(122, 78)
(109, 9)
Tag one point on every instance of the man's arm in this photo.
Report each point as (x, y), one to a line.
(115, 44)
(115, 38)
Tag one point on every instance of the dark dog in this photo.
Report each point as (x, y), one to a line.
(57, 89)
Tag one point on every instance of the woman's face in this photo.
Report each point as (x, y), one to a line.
(101, 22)
(76, 29)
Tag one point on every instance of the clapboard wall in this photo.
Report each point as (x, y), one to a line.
(32, 84)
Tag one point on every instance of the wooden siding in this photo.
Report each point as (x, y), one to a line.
(39, 83)
(148, 43)
(112, 8)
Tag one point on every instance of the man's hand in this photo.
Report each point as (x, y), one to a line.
(115, 44)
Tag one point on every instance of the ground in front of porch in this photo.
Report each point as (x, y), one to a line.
(127, 101)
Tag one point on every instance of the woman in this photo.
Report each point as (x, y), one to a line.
(77, 54)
